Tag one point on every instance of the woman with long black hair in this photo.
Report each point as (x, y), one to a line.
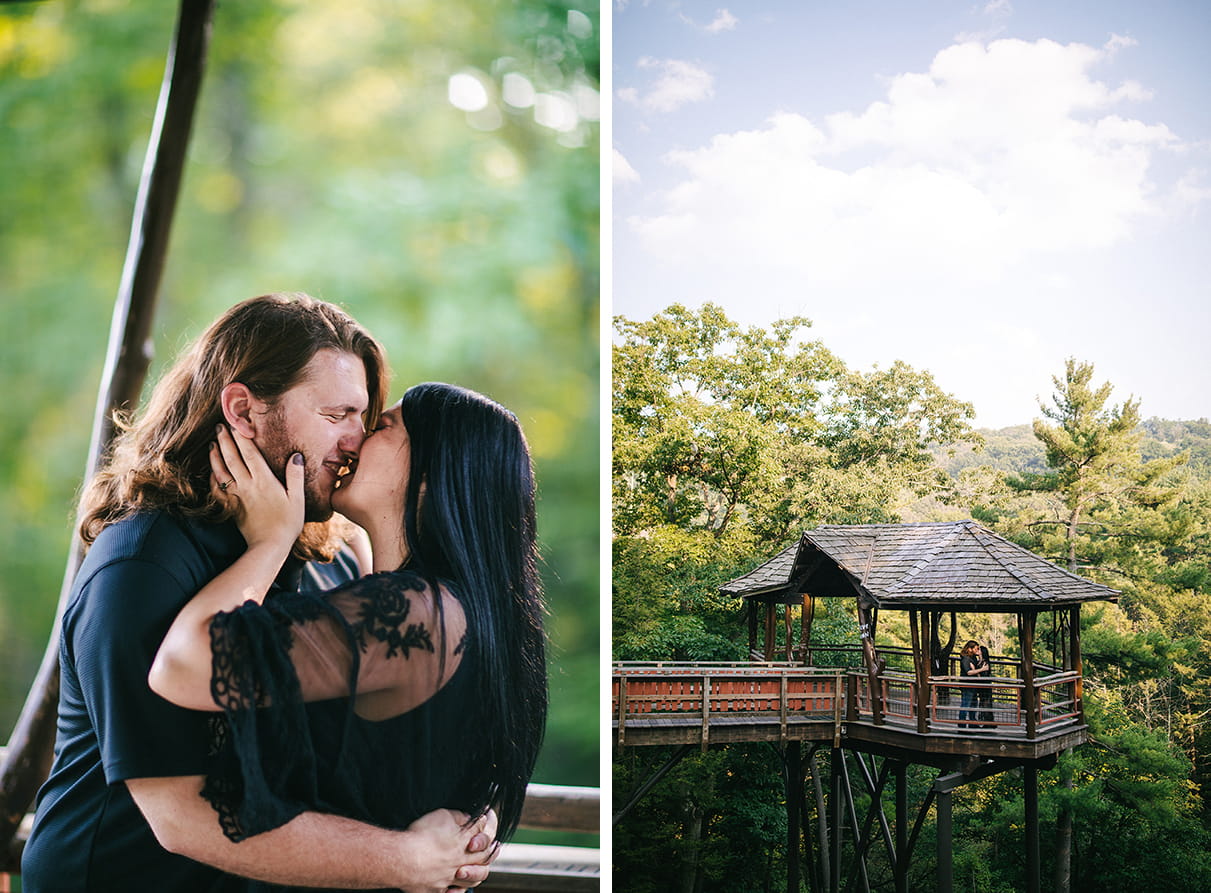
(419, 686)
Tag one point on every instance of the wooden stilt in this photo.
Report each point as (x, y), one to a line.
(901, 861)
(794, 787)
(1030, 782)
(945, 850)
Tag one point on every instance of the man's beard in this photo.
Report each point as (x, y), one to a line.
(277, 447)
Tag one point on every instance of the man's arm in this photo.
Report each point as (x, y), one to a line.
(434, 854)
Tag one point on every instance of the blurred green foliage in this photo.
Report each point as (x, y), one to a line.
(431, 165)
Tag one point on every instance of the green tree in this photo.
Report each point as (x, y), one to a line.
(1102, 510)
(727, 442)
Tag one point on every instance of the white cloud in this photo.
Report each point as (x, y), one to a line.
(1118, 42)
(723, 21)
(676, 83)
(999, 154)
(622, 170)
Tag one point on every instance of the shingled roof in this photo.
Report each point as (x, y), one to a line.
(957, 563)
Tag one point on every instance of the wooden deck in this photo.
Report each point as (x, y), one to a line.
(663, 704)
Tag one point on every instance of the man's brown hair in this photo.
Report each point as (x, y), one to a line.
(159, 459)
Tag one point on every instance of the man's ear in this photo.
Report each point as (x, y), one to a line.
(241, 408)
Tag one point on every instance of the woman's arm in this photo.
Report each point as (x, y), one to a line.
(270, 517)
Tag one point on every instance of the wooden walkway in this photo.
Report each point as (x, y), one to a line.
(698, 703)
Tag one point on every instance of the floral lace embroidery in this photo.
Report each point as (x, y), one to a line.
(384, 614)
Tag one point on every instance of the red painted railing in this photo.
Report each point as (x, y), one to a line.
(790, 692)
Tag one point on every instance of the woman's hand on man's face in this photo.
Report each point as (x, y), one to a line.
(241, 480)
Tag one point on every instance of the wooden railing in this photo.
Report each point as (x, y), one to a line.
(520, 867)
(786, 692)
(769, 692)
(525, 867)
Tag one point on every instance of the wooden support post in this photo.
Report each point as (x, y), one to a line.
(771, 635)
(835, 820)
(900, 869)
(920, 661)
(1026, 622)
(805, 631)
(1030, 782)
(794, 794)
(1074, 652)
(787, 628)
(751, 605)
(866, 631)
(945, 850)
(622, 709)
(127, 358)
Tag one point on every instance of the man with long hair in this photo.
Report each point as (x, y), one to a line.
(122, 809)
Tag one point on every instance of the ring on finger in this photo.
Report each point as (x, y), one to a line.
(223, 486)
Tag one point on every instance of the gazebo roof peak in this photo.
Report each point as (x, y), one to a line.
(931, 564)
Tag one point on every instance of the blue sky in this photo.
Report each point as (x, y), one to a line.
(978, 189)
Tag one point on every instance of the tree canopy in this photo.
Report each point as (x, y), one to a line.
(729, 442)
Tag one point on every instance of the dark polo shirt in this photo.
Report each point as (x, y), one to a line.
(88, 834)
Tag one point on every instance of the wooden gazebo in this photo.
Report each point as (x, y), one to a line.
(862, 701)
(934, 572)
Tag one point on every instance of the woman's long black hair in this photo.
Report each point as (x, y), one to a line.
(475, 527)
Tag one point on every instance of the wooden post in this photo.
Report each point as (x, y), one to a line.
(1029, 699)
(834, 879)
(805, 627)
(751, 604)
(866, 631)
(794, 795)
(945, 852)
(127, 358)
(920, 659)
(901, 864)
(1030, 782)
(787, 627)
(771, 631)
(1074, 651)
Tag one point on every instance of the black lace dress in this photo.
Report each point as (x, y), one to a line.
(351, 702)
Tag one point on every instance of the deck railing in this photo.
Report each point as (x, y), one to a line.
(769, 692)
(788, 692)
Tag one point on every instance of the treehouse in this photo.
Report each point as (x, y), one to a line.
(936, 573)
(878, 698)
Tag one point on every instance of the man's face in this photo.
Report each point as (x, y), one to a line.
(322, 417)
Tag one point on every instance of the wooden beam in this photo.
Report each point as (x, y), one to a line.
(805, 623)
(551, 807)
(793, 771)
(771, 631)
(1026, 623)
(921, 663)
(1030, 783)
(866, 631)
(127, 358)
(1074, 652)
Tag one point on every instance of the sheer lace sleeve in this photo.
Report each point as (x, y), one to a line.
(384, 644)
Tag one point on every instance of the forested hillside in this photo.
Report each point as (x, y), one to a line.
(729, 442)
